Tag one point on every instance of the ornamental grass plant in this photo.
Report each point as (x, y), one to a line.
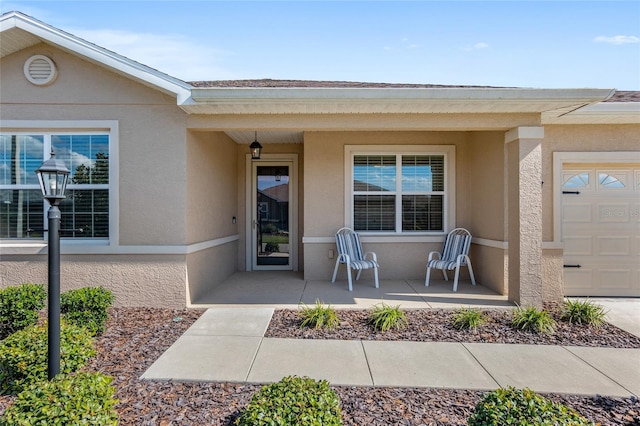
(319, 316)
(384, 317)
(468, 319)
(532, 319)
(583, 312)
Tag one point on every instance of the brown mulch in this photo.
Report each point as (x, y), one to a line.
(436, 325)
(136, 337)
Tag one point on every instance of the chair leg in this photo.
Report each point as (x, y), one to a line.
(375, 275)
(426, 281)
(455, 279)
(349, 277)
(473, 278)
(335, 271)
(358, 274)
(446, 277)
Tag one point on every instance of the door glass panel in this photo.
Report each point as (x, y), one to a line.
(272, 215)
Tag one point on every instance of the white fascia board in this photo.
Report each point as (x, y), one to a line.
(231, 94)
(150, 76)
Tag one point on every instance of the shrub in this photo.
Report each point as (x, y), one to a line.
(293, 401)
(319, 316)
(531, 319)
(84, 398)
(86, 307)
(19, 307)
(583, 312)
(522, 407)
(468, 318)
(24, 355)
(385, 317)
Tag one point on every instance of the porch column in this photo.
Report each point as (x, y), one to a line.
(524, 182)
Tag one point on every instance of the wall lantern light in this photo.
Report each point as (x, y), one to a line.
(255, 148)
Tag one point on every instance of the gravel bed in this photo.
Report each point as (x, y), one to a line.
(437, 325)
(136, 337)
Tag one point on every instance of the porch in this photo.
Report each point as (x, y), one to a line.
(287, 290)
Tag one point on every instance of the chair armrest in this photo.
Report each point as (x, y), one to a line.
(373, 255)
(344, 258)
(432, 254)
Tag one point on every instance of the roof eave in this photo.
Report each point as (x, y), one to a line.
(97, 54)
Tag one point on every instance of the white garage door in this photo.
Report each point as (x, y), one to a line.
(601, 229)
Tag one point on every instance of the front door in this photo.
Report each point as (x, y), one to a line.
(272, 193)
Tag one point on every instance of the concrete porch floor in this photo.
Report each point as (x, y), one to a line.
(286, 289)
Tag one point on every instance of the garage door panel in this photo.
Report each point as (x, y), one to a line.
(577, 213)
(614, 212)
(614, 246)
(578, 246)
(610, 278)
(578, 282)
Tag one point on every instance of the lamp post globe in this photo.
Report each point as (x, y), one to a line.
(53, 176)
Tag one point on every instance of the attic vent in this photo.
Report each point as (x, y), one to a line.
(40, 70)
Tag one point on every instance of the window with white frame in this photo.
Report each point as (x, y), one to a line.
(86, 206)
(403, 191)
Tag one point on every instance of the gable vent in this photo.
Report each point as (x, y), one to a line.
(40, 70)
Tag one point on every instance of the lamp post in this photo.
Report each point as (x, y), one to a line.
(53, 176)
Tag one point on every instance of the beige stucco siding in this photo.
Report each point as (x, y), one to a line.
(324, 208)
(150, 179)
(135, 280)
(152, 155)
(212, 187)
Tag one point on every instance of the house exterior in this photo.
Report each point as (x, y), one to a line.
(171, 202)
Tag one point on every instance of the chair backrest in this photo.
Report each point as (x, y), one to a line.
(348, 242)
(457, 242)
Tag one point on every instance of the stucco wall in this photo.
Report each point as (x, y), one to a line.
(206, 269)
(152, 154)
(324, 204)
(135, 280)
(212, 186)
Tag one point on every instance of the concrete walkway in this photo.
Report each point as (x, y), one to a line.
(228, 344)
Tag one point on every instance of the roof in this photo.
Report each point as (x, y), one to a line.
(304, 97)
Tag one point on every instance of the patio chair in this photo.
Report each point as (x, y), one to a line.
(455, 253)
(350, 254)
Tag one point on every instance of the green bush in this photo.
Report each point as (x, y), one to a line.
(19, 307)
(24, 355)
(468, 318)
(385, 317)
(87, 307)
(583, 312)
(293, 401)
(522, 407)
(81, 399)
(319, 316)
(532, 319)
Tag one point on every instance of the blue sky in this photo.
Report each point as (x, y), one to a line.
(549, 44)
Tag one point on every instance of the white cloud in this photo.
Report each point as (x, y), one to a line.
(477, 46)
(617, 40)
(171, 54)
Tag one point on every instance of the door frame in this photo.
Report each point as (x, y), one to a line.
(251, 209)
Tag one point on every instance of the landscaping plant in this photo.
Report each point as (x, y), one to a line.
(293, 400)
(522, 407)
(87, 307)
(19, 307)
(385, 317)
(74, 399)
(583, 312)
(319, 316)
(468, 319)
(532, 319)
(24, 355)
